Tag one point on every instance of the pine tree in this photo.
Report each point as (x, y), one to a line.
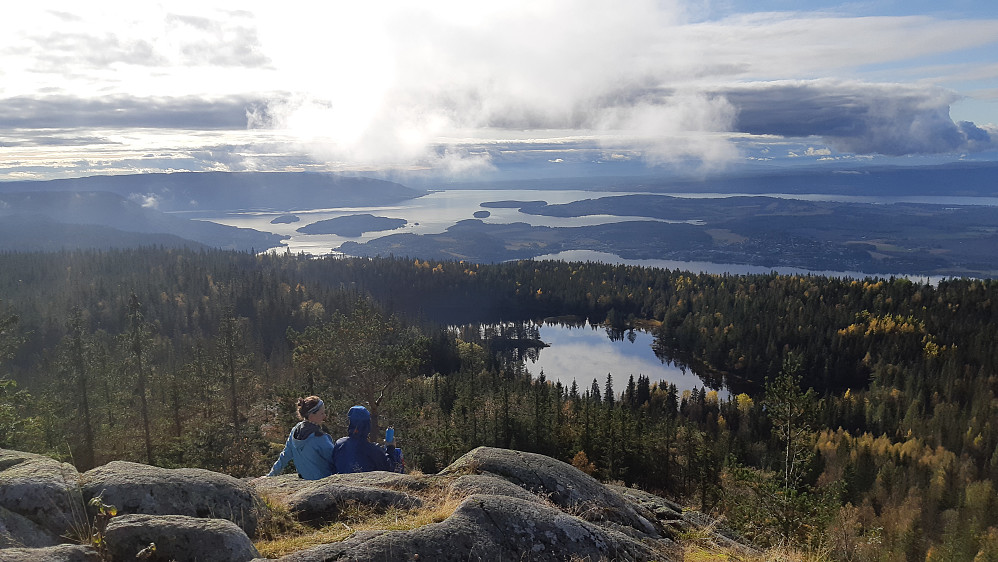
(137, 341)
(78, 364)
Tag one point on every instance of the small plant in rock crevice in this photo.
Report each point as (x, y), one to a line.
(93, 531)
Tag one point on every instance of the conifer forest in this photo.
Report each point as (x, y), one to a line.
(860, 416)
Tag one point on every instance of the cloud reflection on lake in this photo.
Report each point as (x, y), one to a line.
(584, 354)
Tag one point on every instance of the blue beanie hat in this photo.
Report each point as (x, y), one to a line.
(360, 421)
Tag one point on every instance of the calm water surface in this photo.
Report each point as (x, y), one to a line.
(431, 214)
(437, 211)
(586, 353)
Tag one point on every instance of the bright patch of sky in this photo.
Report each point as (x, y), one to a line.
(461, 88)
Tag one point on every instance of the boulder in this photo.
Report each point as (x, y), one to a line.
(179, 538)
(662, 508)
(489, 528)
(142, 489)
(561, 483)
(280, 488)
(42, 490)
(382, 479)
(471, 484)
(59, 553)
(19, 531)
(323, 502)
(668, 514)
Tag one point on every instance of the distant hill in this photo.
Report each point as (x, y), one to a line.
(202, 191)
(38, 233)
(51, 220)
(968, 179)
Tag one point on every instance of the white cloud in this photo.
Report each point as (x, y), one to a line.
(146, 200)
(403, 84)
(811, 151)
(430, 74)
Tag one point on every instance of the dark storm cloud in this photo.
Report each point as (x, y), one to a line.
(855, 117)
(118, 112)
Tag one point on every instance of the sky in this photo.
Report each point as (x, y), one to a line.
(457, 89)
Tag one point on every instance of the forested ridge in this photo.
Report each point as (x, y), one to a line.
(861, 418)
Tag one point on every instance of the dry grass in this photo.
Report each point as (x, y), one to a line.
(701, 545)
(437, 506)
(696, 546)
(797, 554)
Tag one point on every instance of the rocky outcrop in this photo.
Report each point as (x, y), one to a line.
(471, 484)
(486, 528)
(58, 553)
(17, 530)
(490, 504)
(280, 487)
(564, 485)
(323, 503)
(179, 538)
(139, 488)
(42, 491)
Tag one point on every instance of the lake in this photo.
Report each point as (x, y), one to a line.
(586, 353)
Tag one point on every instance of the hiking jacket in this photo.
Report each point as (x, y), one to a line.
(313, 455)
(357, 454)
(354, 453)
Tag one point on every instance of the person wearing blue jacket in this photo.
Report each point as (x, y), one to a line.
(354, 453)
(308, 446)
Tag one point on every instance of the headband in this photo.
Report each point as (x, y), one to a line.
(315, 409)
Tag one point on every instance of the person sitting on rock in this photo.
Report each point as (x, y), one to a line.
(354, 453)
(308, 446)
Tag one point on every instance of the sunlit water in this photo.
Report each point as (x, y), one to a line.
(431, 214)
(437, 211)
(586, 353)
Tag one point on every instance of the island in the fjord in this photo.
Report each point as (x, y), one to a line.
(353, 225)
(765, 231)
(285, 219)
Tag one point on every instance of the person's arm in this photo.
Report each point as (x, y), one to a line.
(394, 458)
(282, 461)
